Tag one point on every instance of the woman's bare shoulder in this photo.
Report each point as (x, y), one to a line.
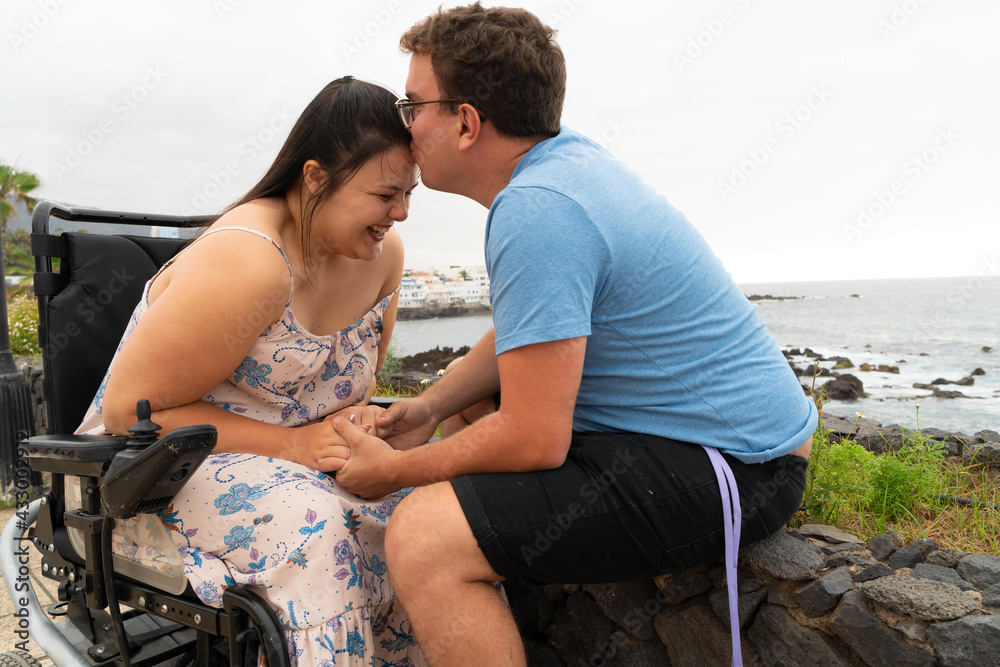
(232, 261)
(264, 215)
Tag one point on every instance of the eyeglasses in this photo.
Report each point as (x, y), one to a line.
(405, 109)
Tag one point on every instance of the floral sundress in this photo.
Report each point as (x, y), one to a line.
(314, 550)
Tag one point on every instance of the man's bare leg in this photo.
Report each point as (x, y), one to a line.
(446, 584)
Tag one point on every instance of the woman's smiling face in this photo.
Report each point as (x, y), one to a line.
(354, 221)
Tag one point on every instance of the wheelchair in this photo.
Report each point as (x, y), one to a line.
(100, 482)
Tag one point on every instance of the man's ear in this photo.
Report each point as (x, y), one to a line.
(470, 126)
(313, 175)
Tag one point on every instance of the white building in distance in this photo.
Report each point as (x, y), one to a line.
(444, 287)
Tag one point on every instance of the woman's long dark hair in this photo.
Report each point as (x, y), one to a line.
(347, 123)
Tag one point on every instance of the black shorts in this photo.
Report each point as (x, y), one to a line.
(623, 506)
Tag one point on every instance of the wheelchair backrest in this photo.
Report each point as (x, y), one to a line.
(85, 307)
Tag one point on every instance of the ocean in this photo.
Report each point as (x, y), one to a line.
(929, 328)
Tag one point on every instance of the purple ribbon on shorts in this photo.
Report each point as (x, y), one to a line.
(732, 520)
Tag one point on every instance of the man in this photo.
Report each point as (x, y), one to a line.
(621, 344)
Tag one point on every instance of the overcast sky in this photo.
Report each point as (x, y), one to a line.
(807, 140)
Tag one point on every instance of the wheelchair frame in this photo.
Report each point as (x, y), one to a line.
(160, 628)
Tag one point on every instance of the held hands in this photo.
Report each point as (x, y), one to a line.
(363, 415)
(408, 423)
(368, 473)
(318, 446)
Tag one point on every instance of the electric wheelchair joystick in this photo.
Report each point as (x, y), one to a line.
(146, 475)
(145, 431)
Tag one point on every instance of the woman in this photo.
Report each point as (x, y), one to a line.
(274, 321)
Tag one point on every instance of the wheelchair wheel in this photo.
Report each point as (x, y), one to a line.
(18, 659)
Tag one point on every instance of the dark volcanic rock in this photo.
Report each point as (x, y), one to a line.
(972, 641)
(841, 363)
(887, 439)
(694, 636)
(943, 574)
(945, 557)
(986, 437)
(921, 599)
(838, 548)
(624, 649)
(828, 534)
(746, 604)
(680, 586)
(844, 388)
(781, 641)
(859, 428)
(905, 557)
(783, 557)
(991, 595)
(872, 572)
(938, 393)
(540, 654)
(533, 611)
(837, 560)
(980, 570)
(884, 545)
(632, 604)
(987, 454)
(434, 313)
(820, 596)
(581, 632)
(432, 361)
(855, 622)
(967, 381)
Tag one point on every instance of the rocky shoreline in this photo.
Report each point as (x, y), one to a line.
(848, 387)
(409, 314)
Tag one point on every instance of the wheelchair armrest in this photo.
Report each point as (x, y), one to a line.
(145, 478)
(73, 454)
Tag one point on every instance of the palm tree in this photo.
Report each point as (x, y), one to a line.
(14, 188)
(15, 397)
(463, 274)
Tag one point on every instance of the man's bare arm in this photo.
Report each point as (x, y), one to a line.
(532, 430)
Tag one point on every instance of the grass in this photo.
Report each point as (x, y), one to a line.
(907, 491)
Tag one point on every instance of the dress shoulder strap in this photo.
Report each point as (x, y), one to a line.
(252, 231)
(221, 229)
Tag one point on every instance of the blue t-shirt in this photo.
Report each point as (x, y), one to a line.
(578, 245)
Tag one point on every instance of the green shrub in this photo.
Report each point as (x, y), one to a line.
(905, 479)
(838, 474)
(393, 359)
(22, 320)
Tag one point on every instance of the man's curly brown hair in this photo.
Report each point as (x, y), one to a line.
(503, 61)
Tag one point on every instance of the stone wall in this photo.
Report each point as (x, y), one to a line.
(812, 596)
(32, 369)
